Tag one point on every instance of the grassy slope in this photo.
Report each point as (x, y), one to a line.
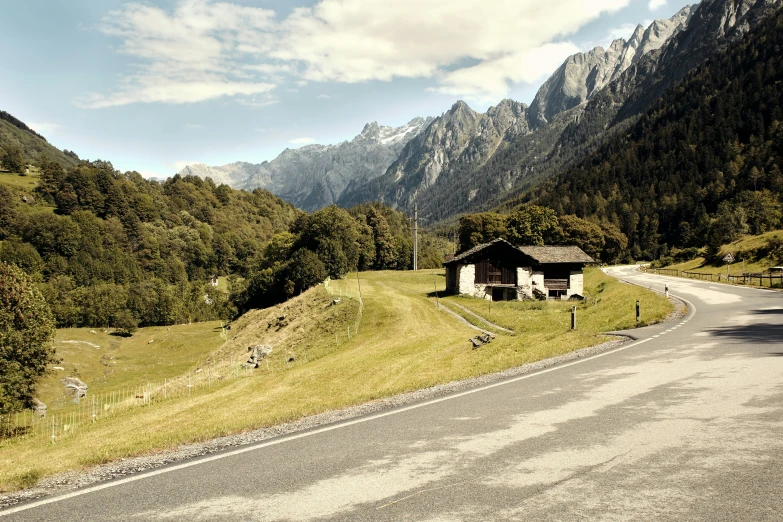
(404, 343)
(741, 249)
(109, 363)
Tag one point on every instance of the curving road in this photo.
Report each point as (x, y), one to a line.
(686, 423)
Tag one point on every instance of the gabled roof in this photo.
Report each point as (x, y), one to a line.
(539, 254)
(557, 254)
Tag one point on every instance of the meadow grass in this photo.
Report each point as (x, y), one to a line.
(321, 362)
(27, 183)
(109, 363)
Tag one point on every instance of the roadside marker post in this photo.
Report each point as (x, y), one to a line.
(573, 318)
(638, 311)
(666, 288)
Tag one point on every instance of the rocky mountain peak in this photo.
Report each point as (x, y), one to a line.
(584, 74)
(316, 175)
(370, 130)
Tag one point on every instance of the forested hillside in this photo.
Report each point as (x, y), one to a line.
(112, 249)
(28, 145)
(701, 165)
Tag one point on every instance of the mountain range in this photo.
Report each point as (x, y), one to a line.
(315, 176)
(466, 161)
(428, 156)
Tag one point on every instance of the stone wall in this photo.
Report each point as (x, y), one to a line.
(524, 286)
(466, 278)
(537, 281)
(576, 283)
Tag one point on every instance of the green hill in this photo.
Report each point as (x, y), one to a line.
(35, 148)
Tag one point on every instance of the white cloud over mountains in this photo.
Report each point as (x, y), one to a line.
(203, 50)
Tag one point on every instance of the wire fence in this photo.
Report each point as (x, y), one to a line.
(81, 412)
(93, 407)
(754, 279)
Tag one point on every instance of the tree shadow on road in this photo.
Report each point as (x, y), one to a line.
(772, 311)
(752, 333)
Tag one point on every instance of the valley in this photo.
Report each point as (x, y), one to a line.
(325, 356)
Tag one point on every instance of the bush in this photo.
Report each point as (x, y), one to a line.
(125, 323)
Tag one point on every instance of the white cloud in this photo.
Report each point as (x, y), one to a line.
(656, 4)
(362, 40)
(324, 96)
(302, 141)
(488, 81)
(147, 174)
(203, 50)
(191, 55)
(44, 128)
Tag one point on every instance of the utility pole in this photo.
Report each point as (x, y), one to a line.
(415, 236)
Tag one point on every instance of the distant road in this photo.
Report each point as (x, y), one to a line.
(684, 424)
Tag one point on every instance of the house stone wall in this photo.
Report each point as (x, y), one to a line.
(524, 283)
(537, 281)
(576, 283)
(466, 277)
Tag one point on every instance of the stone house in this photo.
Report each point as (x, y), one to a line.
(502, 272)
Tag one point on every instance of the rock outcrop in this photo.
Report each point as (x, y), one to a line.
(74, 388)
(258, 353)
(582, 75)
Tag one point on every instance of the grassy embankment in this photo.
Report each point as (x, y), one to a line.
(403, 343)
(755, 251)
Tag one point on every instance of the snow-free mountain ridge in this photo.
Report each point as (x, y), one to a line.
(315, 176)
(464, 161)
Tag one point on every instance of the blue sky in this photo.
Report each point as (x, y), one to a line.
(151, 86)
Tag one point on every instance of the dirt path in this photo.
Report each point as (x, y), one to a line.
(492, 325)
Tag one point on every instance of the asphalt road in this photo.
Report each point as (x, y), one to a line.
(684, 424)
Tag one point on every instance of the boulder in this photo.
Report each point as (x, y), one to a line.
(75, 388)
(39, 408)
(258, 352)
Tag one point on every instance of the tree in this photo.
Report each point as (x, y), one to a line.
(304, 271)
(12, 159)
(125, 323)
(762, 210)
(475, 229)
(7, 212)
(26, 334)
(23, 255)
(572, 230)
(529, 225)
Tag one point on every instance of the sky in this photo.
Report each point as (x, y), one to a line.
(154, 85)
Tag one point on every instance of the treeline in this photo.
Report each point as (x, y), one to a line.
(118, 250)
(701, 167)
(109, 249)
(536, 225)
(332, 242)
